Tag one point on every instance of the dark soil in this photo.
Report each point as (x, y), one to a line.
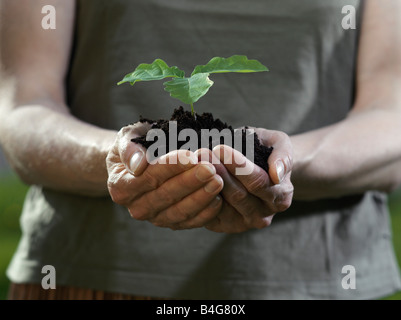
(185, 120)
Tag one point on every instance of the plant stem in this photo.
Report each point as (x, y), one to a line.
(193, 111)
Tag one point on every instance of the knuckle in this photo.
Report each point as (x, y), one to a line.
(205, 216)
(125, 130)
(175, 214)
(165, 196)
(238, 197)
(256, 185)
(283, 203)
(282, 199)
(287, 203)
(151, 180)
(255, 219)
(117, 194)
(117, 186)
(111, 159)
(181, 214)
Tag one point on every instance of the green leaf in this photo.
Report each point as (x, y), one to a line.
(157, 70)
(234, 63)
(189, 90)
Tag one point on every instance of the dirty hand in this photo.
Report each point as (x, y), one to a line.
(252, 198)
(178, 194)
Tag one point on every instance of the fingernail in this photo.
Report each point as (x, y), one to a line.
(204, 172)
(135, 161)
(280, 169)
(214, 185)
(215, 203)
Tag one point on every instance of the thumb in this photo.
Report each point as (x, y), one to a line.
(280, 160)
(279, 169)
(137, 163)
(132, 155)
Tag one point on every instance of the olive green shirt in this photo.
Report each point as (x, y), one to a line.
(94, 243)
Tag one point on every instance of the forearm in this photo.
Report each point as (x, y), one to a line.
(53, 149)
(360, 153)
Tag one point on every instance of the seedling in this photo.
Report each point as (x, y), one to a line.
(190, 89)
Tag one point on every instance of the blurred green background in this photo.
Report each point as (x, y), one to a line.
(12, 193)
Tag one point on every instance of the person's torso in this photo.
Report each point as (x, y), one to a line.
(311, 58)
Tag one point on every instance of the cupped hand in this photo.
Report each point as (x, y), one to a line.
(176, 191)
(251, 196)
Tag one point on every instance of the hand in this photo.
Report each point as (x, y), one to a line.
(251, 201)
(180, 193)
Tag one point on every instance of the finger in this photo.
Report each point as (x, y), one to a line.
(195, 210)
(230, 221)
(273, 197)
(164, 168)
(251, 208)
(283, 195)
(256, 182)
(231, 184)
(207, 155)
(280, 160)
(203, 176)
(132, 155)
(200, 219)
(125, 187)
(117, 162)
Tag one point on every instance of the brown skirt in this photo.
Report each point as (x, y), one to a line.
(36, 292)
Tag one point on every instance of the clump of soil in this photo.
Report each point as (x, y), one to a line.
(185, 120)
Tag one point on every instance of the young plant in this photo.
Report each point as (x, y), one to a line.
(190, 89)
